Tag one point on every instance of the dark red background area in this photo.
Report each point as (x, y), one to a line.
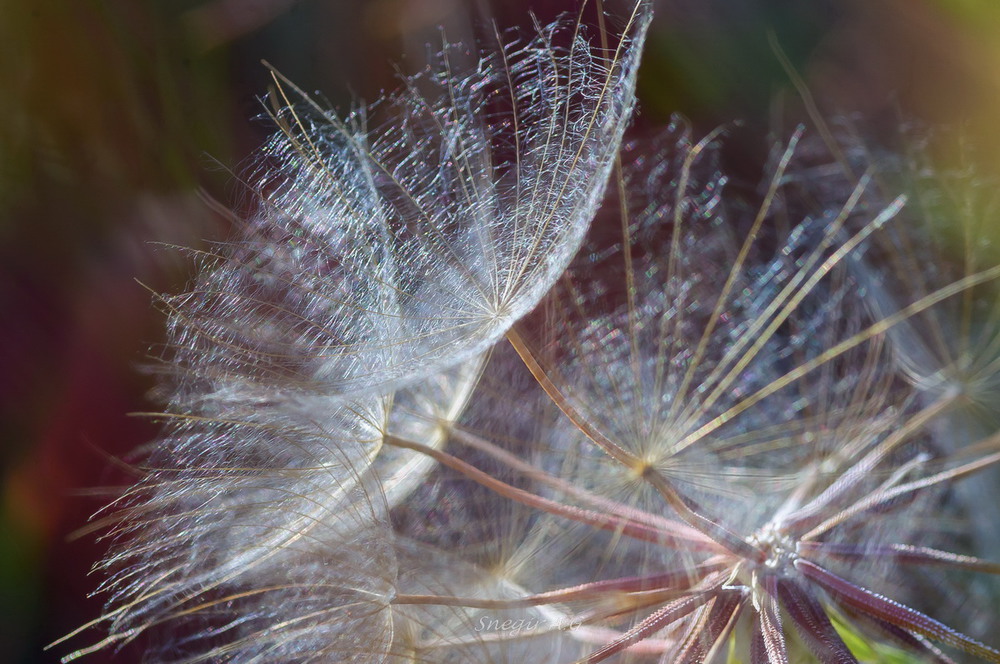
(121, 117)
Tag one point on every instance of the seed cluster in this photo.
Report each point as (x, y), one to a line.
(451, 397)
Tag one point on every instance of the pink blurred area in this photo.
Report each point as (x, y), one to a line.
(122, 117)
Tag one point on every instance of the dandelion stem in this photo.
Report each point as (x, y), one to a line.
(893, 612)
(684, 508)
(668, 614)
(807, 515)
(596, 519)
(902, 553)
(884, 498)
(652, 589)
(688, 510)
(686, 537)
(614, 450)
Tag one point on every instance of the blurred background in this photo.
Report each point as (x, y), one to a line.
(124, 119)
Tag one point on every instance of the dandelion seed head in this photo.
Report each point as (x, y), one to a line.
(421, 409)
(391, 249)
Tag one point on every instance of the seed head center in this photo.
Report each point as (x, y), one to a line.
(780, 549)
